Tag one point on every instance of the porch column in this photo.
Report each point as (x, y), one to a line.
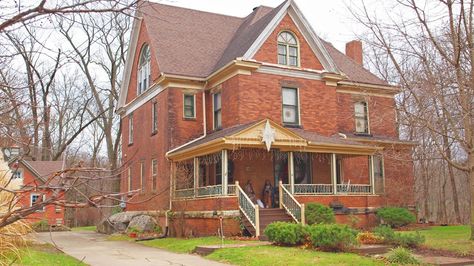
(291, 172)
(196, 175)
(224, 166)
(372, 174)
(334, 173)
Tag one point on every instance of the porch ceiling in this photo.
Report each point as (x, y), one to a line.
(250, 136)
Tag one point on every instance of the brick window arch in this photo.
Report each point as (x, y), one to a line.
(288, 49)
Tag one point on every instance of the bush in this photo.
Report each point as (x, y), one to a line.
(283, 233)
(40, 226)
(369, 238)
(401, 256)
(332, 237)
(407, 240)
(395, 217)
(316, 213)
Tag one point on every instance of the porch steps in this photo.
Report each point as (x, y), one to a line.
(267, 216)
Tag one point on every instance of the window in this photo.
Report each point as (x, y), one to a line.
(217, 111)
(17, 173)
(36, 198)
(290, 106)
(378, 174)
(287, 49)
(57, 209)
(129, 177)
(130, 129)
(144, 69)
(361, 118)
(188, 106)
(154, 118)
(142, 176)
(154, 173)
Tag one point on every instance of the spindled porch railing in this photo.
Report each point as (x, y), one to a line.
(291, 205)
(250, 210)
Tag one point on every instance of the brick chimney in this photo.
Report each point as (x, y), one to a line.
(354, 51)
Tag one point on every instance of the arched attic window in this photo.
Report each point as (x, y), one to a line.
(144, 69)
(288, 50)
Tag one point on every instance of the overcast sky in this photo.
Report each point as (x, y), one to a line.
(329, 18)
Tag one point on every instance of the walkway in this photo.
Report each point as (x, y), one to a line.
(93, 249)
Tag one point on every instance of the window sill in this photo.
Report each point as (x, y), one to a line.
(189, 118)
(130, 144)
(362, 134)
(292, 125)
(154, 133)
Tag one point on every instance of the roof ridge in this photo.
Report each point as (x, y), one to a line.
(188, 8)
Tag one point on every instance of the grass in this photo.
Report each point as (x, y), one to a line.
(180, 245)
(45, 254)
(275, 256)
(84, 228)
(452, 238)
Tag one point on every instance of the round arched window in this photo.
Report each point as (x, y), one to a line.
(144, 69)
(287, 49)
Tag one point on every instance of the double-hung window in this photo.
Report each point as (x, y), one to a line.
(217, 111)
(37, 198)
(361, 117)
(154, 173)
(154, 118)
(129, 178)
(130, 129)
(144, 69)
(290, 106)
(287, 49)
(142, 176)
(189, 106)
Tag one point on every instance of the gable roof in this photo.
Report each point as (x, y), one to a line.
(43, 170)
(196, 43)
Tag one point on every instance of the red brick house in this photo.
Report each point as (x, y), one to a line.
(212, 105)
(36, 179)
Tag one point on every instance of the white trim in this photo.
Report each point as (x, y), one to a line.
(297, 102)
(39, 195)
(298, 46)
(129, 178)
(141, 100)
(213, 111)
(154, 116)
(366, 103)
(365, 93)
(296, 73)
(129, 63)
(142, 176)
(130, 129)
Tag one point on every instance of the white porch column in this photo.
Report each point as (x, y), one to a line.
(224, 166)
(291, 172)
(196, 175)
(334, 173)
(372, 173)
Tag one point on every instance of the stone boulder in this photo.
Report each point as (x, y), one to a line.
(116, 223)
(143, 223)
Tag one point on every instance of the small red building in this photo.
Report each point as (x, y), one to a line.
(215, 107)
(37, 179)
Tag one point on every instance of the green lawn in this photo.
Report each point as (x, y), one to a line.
(452, 238)
(39, 255)
(84, 228)
(275, 256)
(181, 245)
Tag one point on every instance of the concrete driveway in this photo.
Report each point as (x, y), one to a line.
(93, 249)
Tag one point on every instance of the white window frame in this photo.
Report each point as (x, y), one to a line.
(214, 126)
(39, 195)
(154, 173)
(144, 70)
(298, 111)
(154, 117)
(194, 105)
(20, 171)
(367, 120)
(129, 177)
(130, 129)
(142, 177)
(287, 49)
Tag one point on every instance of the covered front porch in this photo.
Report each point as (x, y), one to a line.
(263, 165)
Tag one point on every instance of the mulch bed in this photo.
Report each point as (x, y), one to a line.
(425, 251)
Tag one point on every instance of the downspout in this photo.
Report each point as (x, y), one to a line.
(204, 127)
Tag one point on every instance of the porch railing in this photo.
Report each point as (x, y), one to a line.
(250, 210)
(309, 189)
(291, 205)
(209, 191)
(184, 193)
(354, 189)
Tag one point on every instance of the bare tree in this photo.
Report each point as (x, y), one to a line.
(429, 51)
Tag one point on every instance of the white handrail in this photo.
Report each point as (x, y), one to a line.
(256, 223)
(301, 206)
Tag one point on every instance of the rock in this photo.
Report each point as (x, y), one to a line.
(116, 223)
(143, 223)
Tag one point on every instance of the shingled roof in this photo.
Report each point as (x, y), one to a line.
(196, 43)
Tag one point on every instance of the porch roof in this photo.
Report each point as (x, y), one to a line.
(250, 135)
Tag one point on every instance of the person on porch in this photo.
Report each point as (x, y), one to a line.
(267, 194)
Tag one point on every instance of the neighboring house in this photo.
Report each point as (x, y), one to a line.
(212, 103)
(38, 179)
